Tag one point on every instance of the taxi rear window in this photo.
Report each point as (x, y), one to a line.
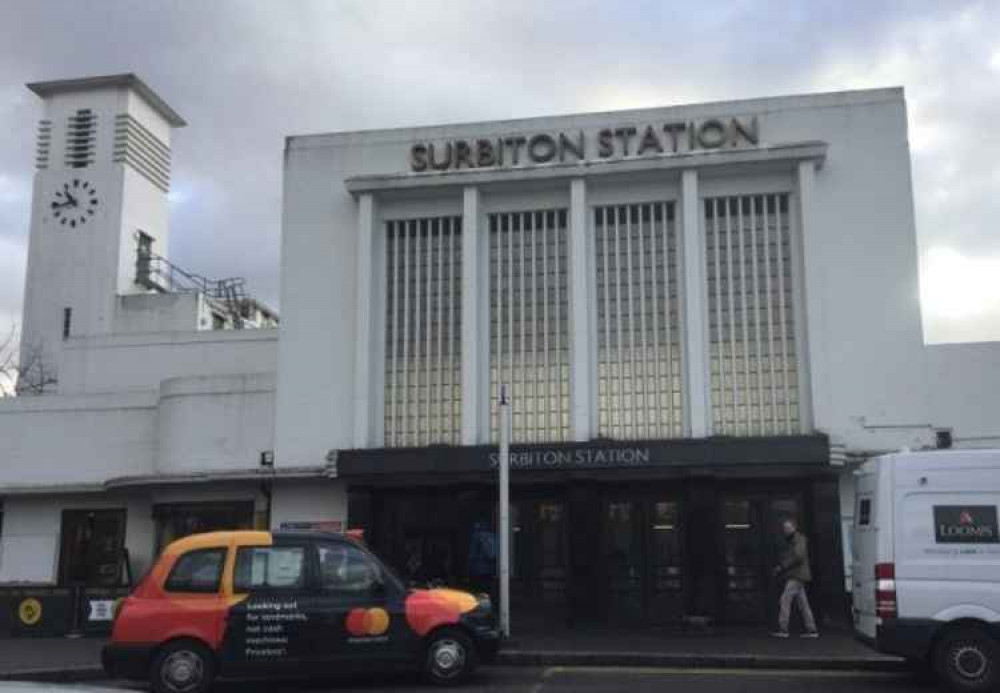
(197, 571)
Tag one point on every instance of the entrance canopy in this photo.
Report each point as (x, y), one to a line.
(703, 454)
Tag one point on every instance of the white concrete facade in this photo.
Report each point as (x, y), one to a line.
(843, 158)
(148, 405)
(150, 409)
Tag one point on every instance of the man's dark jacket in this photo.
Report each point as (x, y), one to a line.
(795, 562)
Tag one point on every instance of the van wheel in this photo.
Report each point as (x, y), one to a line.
(182, 666)
(968, 660)
(450, 657)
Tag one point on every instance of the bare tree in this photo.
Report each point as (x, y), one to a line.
(8, 363)
(23, 371)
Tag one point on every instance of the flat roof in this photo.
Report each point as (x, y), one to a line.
(127, 79)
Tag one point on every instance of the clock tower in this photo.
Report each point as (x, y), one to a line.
(100, 192)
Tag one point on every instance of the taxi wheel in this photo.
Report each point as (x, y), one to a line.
(450, 657)
(182, 666)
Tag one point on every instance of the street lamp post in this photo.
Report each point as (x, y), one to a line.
(504, 520)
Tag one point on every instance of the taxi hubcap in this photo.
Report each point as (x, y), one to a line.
(182, 671)
(448, 657)
(969, 661)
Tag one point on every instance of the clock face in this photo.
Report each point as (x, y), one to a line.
(75, 203)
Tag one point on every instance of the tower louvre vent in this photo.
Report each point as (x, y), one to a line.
(44, 144)
(136, 146)
(81, 136)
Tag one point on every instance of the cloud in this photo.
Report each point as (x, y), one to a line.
(246, 74)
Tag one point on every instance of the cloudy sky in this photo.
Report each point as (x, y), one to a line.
(244, 74)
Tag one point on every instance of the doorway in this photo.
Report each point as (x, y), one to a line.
(92, 551)
(643, 559)
(540, 558)
(752, 544)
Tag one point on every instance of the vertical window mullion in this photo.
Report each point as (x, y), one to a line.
(770, 316)
(719, 329)
(558, 231)
(392, 250)
(606, 366)
(510, 304)
(732, 317)
(759, 419)
(782, 308)
(619, 357)
(546, 409)
(744, 319)
(643, 350)
(406, 334)
(668, 390)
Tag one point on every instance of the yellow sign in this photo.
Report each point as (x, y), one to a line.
(30, 611)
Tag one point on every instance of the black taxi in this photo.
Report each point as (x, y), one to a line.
(261, 604)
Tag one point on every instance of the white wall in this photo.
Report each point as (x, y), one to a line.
(144, 313)
(143, 361)
(316, 349)
(314, 500)
(83, 268)
(964, 391)
(30, 545)
(215, 423)
(31, 538)
(868, 371)
(212, 423)
(55, 440)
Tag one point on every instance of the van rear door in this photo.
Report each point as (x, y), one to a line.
(865, 550)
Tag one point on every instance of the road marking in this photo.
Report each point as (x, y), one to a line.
(546, 674)
(773, 673)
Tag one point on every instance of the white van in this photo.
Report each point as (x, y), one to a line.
(927, 562)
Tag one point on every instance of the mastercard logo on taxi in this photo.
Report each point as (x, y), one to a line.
(367, 622)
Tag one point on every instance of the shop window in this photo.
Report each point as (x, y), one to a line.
(270, 568)
(345, 568)
(92, 550)
(197, 571)
(178, 520)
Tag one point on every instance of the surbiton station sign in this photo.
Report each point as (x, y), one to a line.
(570, 147)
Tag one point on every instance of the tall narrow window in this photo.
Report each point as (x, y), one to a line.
(423, 359)
(143, 258)
(529, 329)
(755, 384)
(67, 322)
(639, 372)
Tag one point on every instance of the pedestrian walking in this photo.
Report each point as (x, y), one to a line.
(794, 567)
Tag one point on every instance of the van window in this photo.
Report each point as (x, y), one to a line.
(864, 512)
(197, 571)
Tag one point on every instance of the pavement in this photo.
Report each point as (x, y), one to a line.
(836, 649)
(69, 659)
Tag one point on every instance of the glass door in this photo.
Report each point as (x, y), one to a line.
(539, 559)
(644, 561)
(665, 562)
(752, 545)
(623, 561)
